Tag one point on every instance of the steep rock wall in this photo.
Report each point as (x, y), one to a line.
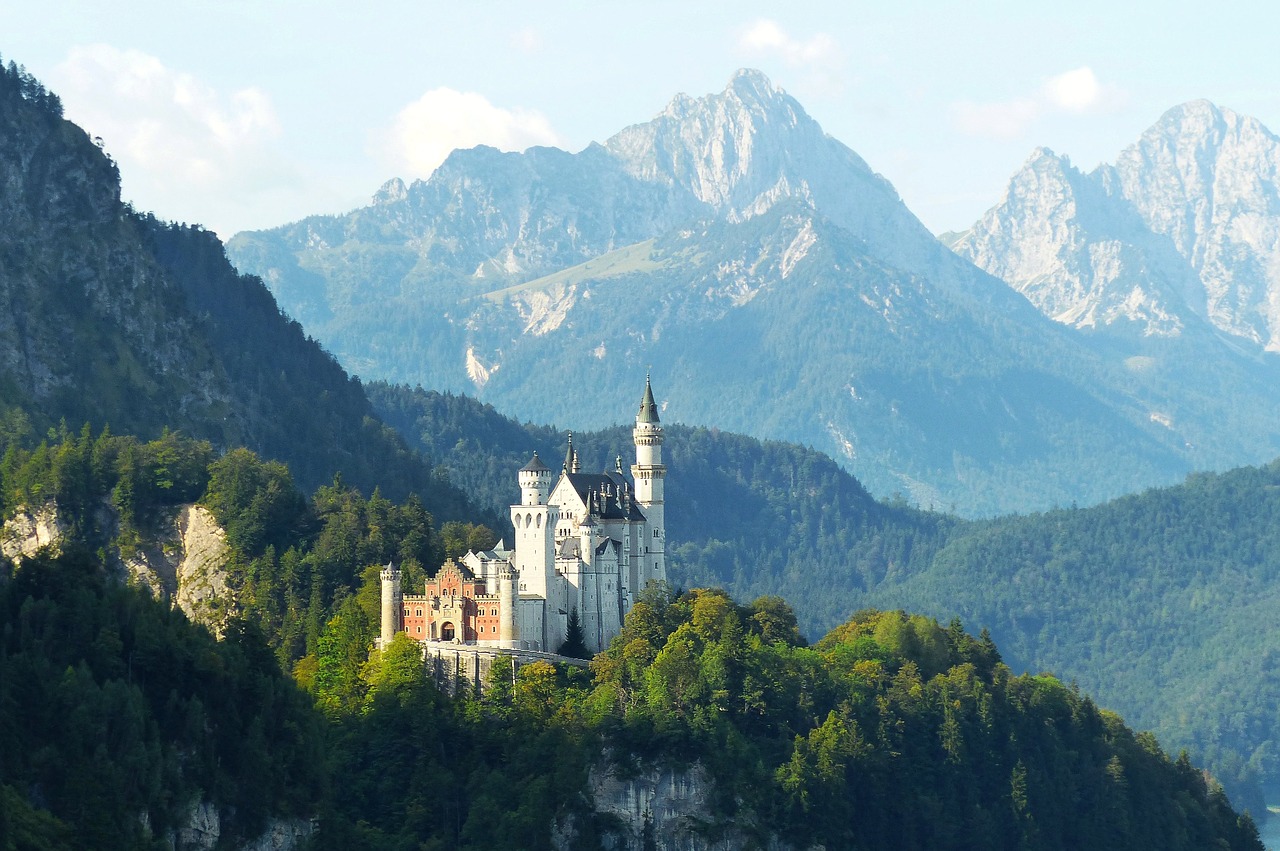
(185, 560)
(667, 809)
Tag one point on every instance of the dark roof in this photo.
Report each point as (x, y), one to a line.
(535, 466)
(648, 408)
(609, 488)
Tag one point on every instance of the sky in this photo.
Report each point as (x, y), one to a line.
(245, 115)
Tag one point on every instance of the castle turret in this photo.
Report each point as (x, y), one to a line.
(650, 474)
(508, 599)
(391, 605)
(535, 482)
(535, 524)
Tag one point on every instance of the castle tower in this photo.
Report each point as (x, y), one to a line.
(508, 599)
(650, 474)
(391, 605)
(535, 524)
(535, 482)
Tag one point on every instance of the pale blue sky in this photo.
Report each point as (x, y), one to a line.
(250, 114)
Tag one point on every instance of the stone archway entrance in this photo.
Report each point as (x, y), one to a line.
(446, 632)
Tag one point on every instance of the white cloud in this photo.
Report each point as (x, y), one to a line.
(1077, 92)
(766, 37)
(819, 56)
(1073, 91)
(185, 150)
(443, 119)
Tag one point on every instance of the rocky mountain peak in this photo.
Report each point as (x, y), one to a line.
(726, 148)
(391, 192)
(1187, 222)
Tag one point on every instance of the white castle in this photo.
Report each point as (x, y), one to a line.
(587, 545)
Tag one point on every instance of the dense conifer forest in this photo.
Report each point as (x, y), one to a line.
(892, 731)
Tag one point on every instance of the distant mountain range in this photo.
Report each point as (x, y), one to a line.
(776, 286)
(1181, 233)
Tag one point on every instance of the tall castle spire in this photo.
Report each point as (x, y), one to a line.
(650, 476)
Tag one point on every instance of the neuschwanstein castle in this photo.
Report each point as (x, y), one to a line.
(589, 542)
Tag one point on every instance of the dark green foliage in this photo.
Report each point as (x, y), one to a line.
(892, 732)
(80, 473)
(1144, 601)
(113, 706)
(574, 646)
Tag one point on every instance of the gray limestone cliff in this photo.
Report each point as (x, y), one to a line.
(184, 561)
(203, 832)
(664, 809)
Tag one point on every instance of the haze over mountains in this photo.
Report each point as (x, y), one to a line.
(1182, 232)
(776, 286)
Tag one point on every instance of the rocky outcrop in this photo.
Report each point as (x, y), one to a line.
(202, 591)
(29, 531)
(184, 561)
(203, 832)
(667, 809)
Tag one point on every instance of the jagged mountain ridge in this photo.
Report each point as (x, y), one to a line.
(1183, 230)
(780, 286)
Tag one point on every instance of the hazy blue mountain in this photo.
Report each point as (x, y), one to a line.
(776, 286)
(1183, 230)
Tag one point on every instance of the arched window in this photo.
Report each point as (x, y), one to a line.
(539, 521)
(518, 521)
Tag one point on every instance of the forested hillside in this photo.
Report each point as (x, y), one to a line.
(1158, 603)
(118, 717)
(891, 732)
(116, 319)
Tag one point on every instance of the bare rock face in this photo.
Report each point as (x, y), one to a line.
(203, 832)
(664, 809)
(1185, 227)
(185, 563)
(202, 591)
(31, 530)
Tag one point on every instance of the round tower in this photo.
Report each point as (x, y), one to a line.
(535, 482)
(391, 605)
(650, 474)
(508, 599)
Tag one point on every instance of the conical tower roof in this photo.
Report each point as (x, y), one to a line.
(648, 407)
(535, 466)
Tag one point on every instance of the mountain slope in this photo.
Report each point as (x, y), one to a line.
(113, 318)
(1183, 230)
(780, 286)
